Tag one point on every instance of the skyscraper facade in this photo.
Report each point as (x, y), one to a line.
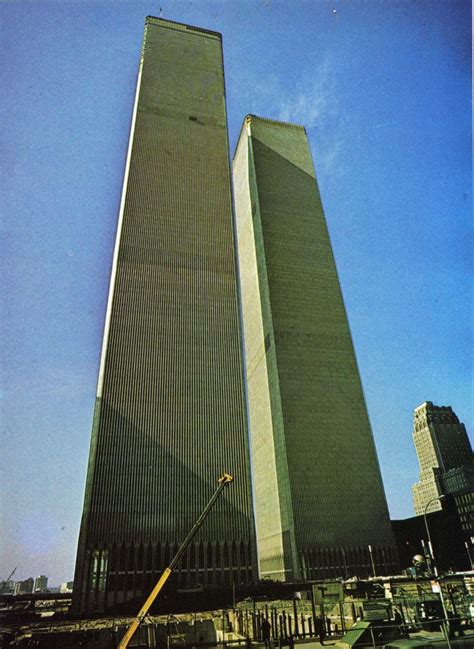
(170, 410)
(40, 584)
(446, 462)
(319, 499)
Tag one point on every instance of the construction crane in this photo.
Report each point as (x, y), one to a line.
(224, 480)
(3, 584)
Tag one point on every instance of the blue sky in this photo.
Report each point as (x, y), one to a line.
(383, 87)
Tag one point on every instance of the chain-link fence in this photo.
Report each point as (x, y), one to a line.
(275, 624)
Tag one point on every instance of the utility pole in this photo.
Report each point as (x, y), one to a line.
(468, 554)
(372, 561)
(435, 570)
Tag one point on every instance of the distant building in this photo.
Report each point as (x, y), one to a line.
(22, 587)
(460, 483)
(66, 587)
(320, 504)
(446, 462)
(7, 587)
(40, 584)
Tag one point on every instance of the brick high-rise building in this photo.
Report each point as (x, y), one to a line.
(319, 499)
(170, 411)
(446, 462)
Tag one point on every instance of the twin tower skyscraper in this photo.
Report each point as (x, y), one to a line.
(180, 400)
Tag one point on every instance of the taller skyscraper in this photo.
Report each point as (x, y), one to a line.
(170, 410)
(446, 462)
(319, 499)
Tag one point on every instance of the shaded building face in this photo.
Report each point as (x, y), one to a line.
(319, 496)
(446, 535)
(170, 414)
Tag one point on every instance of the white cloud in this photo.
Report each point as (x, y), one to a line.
(314, 99)
(310, 100)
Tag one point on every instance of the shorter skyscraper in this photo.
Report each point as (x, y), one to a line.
(24, 587)
(40, 584)
(319, 499)
(446, 462)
